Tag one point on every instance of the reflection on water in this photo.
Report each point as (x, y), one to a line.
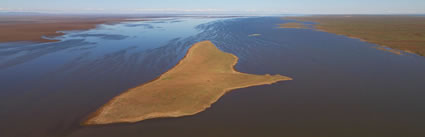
(341, 86)
(102, 36)
(43, 84)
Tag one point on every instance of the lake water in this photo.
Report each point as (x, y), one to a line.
(341, 87)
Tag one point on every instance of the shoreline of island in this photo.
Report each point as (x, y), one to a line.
(172, 114)
(94, 114)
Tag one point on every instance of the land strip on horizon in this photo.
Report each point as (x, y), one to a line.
(402, 32)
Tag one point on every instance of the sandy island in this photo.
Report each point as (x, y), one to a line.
(197, 81)
(33, 28)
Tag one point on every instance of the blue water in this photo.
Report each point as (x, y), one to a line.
(341, 87)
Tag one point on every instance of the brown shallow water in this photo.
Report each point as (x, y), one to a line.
(341, 87)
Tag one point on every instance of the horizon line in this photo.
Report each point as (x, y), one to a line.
(182, 13)
(198, 11)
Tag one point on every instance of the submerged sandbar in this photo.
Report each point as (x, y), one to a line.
(197, 81)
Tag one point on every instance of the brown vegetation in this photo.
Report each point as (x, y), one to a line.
(32, 28)
(399, 32)
(293, 25)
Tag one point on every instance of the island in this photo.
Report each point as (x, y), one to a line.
(398, 32)
(197, 81)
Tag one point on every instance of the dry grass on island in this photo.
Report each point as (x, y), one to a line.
(293, 25)
(33, 28)
(196, 82)
(405, 33)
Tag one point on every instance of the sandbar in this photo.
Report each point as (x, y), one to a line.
(197, 81)
(254, 35)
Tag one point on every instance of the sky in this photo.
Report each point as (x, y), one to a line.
(217, 6)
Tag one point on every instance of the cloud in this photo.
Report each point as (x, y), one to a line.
(176, 10)
(12, 9)
(94, 9)
(204, 11)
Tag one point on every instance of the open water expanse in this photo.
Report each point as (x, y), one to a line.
(342, 87)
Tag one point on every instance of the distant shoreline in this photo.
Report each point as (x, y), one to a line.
(42, 28)
(36, 28)
(403, 33)
(292, 25)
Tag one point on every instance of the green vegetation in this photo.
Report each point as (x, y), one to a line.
(405, 33)
(200, 79)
